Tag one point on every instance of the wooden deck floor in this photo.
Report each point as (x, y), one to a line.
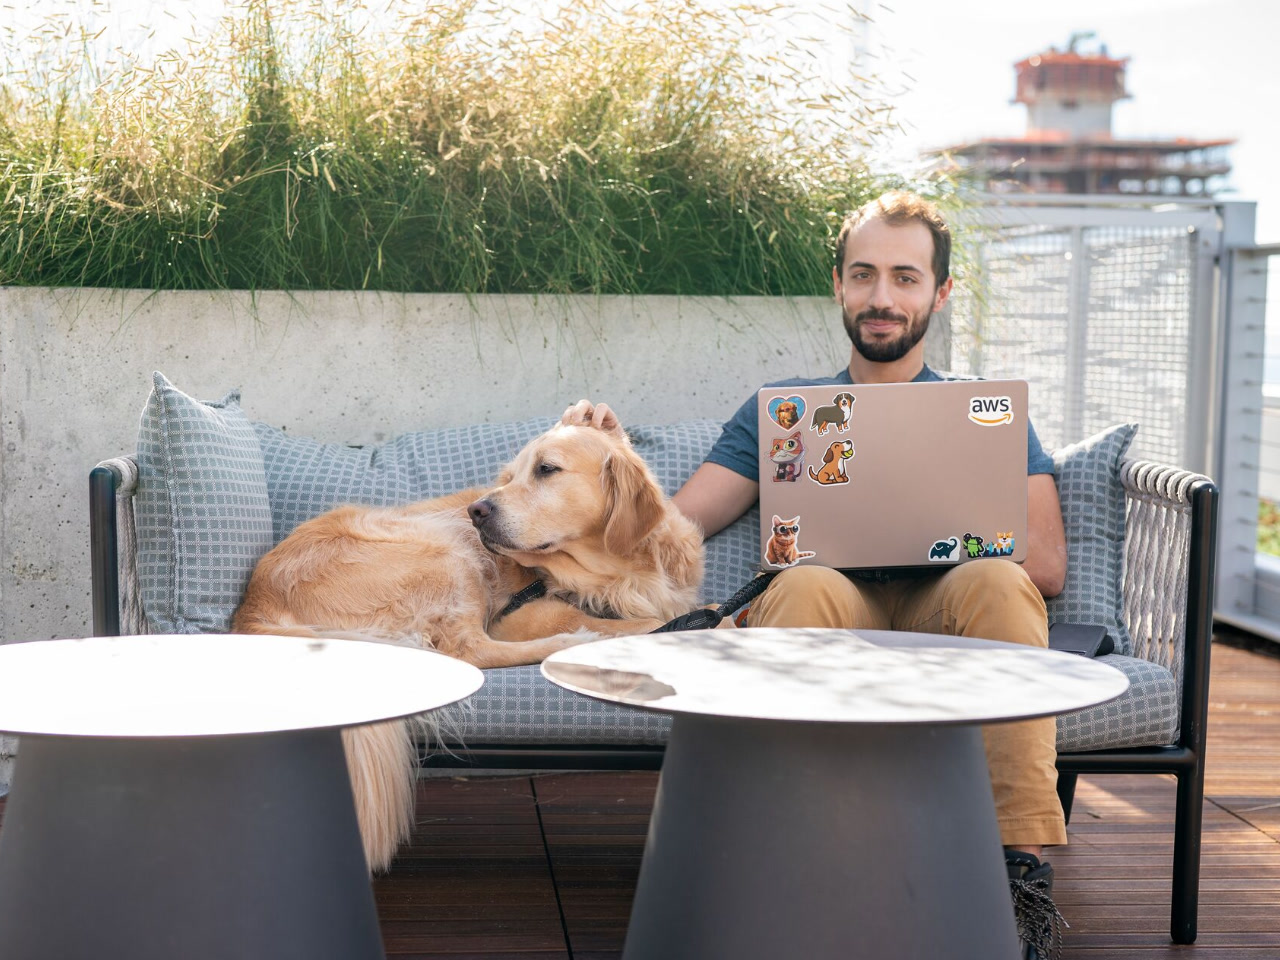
(545, 867)
(523, 868)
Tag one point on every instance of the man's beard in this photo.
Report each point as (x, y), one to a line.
(885, 351)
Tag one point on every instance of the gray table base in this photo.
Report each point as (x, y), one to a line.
(202, 847)
(821, 840)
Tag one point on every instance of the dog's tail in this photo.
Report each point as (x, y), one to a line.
(812, 475)
(382, 763)
(382, 758)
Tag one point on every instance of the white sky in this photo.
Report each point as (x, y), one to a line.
(1197, 68)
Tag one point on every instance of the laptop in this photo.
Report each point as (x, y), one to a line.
(875, 476)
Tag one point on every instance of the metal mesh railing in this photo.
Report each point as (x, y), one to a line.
(1140, 297)
(1099, 319)
(1016, 324)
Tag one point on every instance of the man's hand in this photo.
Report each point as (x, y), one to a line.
(586, 414)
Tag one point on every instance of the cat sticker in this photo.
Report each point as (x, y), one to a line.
(786, 412)
(837, 454)
(787, 456)
(782, 549)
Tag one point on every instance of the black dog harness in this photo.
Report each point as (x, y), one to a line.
(533, 591)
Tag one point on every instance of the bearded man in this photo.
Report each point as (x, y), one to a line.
(891, 274)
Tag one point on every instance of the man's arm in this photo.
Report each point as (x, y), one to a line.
(715, 496)
(1046, 562)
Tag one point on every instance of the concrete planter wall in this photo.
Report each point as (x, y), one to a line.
(345, 367)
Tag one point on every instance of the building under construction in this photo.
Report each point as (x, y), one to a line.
(1068, 146)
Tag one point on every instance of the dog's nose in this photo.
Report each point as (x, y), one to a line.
(480, 511)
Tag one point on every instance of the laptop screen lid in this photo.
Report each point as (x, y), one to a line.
(871, 476)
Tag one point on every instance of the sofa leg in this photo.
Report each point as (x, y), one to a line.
(1186, 854)
(1066, 793)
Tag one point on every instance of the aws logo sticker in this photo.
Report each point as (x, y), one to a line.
(991, 411)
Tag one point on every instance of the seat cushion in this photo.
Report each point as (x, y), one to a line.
(1145, 716)
(517, 706)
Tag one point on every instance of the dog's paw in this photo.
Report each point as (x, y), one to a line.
(563, 641)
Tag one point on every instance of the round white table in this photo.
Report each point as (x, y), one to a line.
(187, 796)
(825, 792)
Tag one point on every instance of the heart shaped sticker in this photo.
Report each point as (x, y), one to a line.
(786, 412)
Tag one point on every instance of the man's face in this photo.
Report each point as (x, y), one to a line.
(886, 288)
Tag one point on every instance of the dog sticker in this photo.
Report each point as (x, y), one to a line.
(944, 551)
(786, 412)
(836, 414)
(991, 411)
(837, 455)
(1001, 546)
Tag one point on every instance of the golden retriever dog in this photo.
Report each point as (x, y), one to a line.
(577, 508)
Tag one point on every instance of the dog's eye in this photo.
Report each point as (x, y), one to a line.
(546, 469)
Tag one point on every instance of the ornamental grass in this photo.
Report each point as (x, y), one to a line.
(666, 147)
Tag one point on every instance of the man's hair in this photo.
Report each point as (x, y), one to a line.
(897, 208)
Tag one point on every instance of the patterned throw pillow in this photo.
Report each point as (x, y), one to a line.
(1093, 512)
(203, 519)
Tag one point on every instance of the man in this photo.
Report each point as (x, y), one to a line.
(892, 273)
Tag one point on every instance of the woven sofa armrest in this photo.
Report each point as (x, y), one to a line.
(1170, 533)
(117, 599)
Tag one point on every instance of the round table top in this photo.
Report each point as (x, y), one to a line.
(218, 684)
(853, 676)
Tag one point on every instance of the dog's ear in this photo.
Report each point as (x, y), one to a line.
(830, 454)
(633, 501)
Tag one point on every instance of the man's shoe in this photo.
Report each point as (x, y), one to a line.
(1039, 922)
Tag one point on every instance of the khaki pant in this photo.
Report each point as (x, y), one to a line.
(991, 599)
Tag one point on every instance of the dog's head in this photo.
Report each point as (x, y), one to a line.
(788, 414)
(575, 489)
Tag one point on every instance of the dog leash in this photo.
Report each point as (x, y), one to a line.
(704, 619)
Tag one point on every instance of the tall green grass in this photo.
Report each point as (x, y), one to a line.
(652, 148)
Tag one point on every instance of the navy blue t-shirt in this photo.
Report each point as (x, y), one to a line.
(739, 445)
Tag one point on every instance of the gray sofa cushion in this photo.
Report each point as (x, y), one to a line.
(516, 706)
(1145, 716)
(203, 519)
(1093, 512)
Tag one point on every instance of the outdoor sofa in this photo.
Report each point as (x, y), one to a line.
(177, 527)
